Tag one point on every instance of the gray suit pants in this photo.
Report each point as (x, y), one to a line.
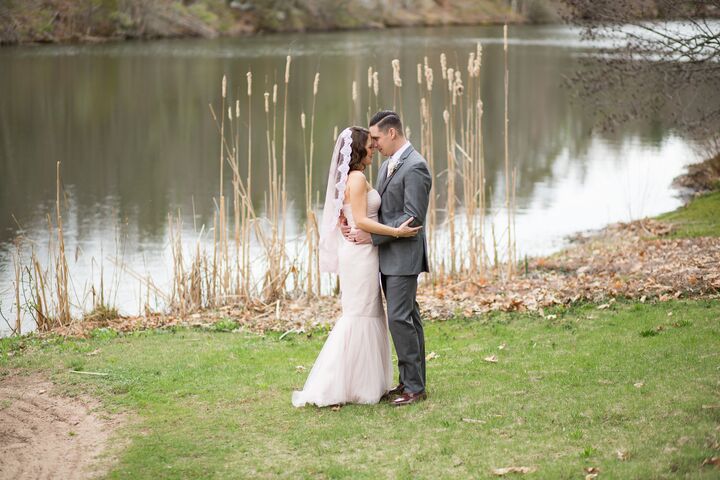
(406, 329)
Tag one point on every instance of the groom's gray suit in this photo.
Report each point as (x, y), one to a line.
(405, 194)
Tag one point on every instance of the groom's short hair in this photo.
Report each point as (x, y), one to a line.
(385, 119)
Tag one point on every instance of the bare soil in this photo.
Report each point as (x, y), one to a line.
(45, 435)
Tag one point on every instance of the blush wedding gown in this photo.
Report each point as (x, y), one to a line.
(354, 365)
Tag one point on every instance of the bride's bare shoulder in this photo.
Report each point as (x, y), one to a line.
(357, 177)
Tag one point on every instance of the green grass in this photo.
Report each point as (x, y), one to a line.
(700, 218)
(562, 397)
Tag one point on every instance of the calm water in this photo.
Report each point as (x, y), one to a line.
(131, 125)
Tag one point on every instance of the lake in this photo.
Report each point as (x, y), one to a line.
(131, 125)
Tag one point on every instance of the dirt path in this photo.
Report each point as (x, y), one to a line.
(44, 435)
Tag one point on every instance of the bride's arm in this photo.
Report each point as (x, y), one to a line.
(357, 191)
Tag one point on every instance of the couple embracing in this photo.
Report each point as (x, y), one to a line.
(364, 231)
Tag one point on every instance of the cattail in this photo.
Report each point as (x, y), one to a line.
(237, 108)
(287, 69)
(370, 77)
(423, 108)
(316, 83)
(230, 113)
(429, 78)
(425, 62)
(275, 94)
(443, 65)
(354, 91)
(376, 83)
(458, 87)
(419, 73)
(224, 86)
(446, 116)
(471, 64)
(249, 83)
(396, 73)
(450, 76)
(302, 120)
(267, 105)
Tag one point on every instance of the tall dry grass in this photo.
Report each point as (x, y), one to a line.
(245, 258)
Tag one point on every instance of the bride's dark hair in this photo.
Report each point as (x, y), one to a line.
(359, 152)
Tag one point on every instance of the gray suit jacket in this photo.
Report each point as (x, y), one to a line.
(405, 194)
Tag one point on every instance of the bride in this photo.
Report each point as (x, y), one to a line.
(354, 365)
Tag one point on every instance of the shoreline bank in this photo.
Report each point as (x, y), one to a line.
(644, 260)
(61, 21)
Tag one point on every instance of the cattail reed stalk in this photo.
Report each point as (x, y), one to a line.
(61, 269)
(311, 212)
(43, 322)
(355, 109)
(284, 167)
(397, 81)
(376, 88)
(308, 208)
(18, 315)
(451, 186)
(248, 195)
(507, 159)
(370, 85)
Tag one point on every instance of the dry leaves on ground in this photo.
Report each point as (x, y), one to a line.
(505, 470)
(622, 260)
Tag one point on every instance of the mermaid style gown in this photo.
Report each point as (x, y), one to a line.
(354, 365)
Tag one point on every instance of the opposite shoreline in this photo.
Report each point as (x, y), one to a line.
(63, 21)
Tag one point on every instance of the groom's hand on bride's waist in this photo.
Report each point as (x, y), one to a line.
(354, 235)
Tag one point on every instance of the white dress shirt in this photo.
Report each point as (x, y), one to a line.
(395, 157)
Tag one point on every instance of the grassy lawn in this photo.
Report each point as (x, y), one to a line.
(699, 218)
(565, 394)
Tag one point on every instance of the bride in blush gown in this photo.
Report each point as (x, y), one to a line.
(354, 365)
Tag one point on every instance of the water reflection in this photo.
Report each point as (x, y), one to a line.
(131, 125)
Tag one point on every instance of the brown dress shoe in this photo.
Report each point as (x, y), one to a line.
(395, 391)
(408, 398)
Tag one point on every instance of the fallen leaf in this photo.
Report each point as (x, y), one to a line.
(336, 408)
(491, 359)
(299, 368)
(712, 461)
(94, 352)
(502, 347)
(431, 355)
(603, 306)
(670, 314)
(638, 385)
(591, 470)
(591, 476)
(551, 317)
(506, 470)
(622, 455)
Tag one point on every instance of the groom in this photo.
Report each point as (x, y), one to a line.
(403, 183)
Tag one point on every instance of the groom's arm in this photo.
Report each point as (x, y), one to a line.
(418, 183)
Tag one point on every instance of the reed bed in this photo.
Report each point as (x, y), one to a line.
(246, 259)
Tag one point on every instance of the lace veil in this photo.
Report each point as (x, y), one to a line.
(330, 235)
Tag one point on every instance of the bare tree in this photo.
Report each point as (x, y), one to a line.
(660, 60)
